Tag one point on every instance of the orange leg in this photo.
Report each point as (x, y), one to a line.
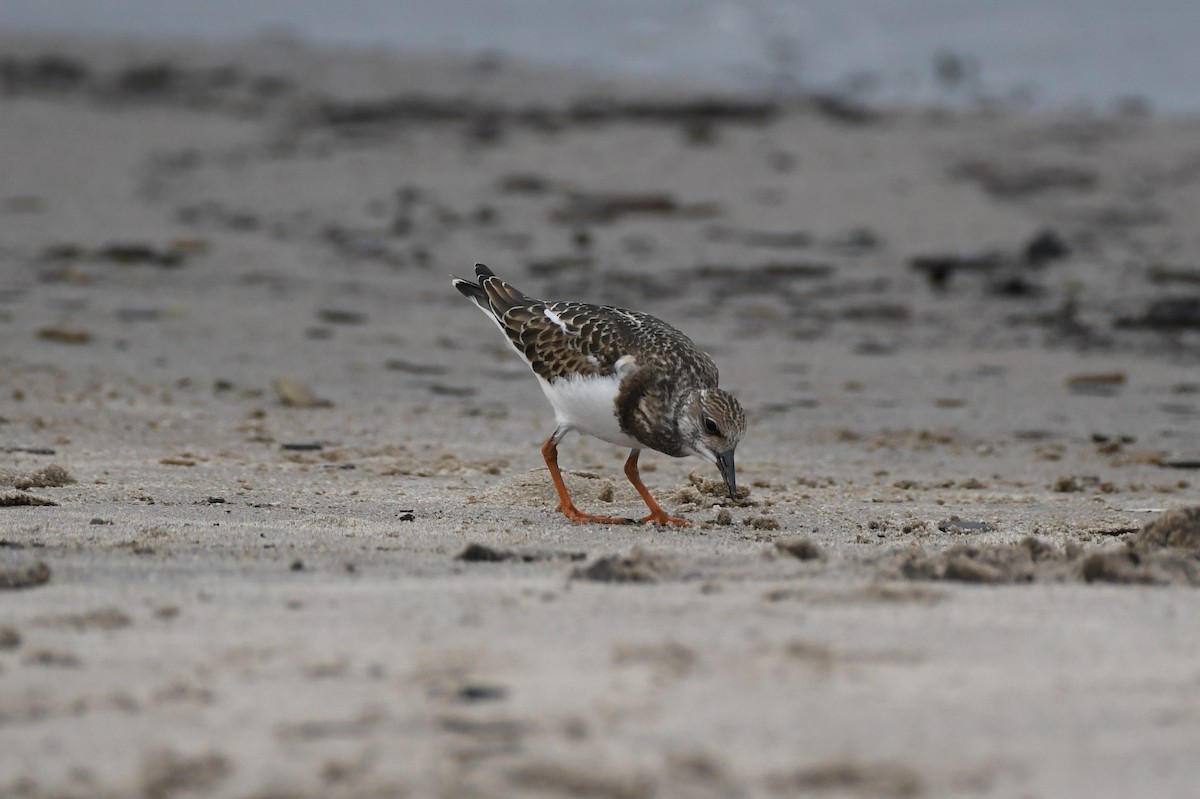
(657, 514)
(550, 453)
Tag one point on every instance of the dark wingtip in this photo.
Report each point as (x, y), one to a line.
(472, 291)
(481, 271)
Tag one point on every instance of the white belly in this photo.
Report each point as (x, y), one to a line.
(588, 404)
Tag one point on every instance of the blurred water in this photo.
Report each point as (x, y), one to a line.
(1052, 52)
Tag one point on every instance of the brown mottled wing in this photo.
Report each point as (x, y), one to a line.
(565, 338)
(592, 338)
(568, 338)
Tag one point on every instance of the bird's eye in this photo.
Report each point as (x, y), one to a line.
(711, 426)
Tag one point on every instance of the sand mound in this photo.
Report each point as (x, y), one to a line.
(1179, 527)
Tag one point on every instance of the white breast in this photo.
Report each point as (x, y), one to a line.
(587, 404)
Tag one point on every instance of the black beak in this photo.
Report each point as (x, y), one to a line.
(725, 465)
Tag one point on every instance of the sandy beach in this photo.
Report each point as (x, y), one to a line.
(273, 517)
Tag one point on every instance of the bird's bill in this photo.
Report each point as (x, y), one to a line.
(725, 465)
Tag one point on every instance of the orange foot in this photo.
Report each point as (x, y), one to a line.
(663, 518)
(576, 515)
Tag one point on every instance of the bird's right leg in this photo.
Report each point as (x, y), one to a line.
(657, 514)
(550, 453)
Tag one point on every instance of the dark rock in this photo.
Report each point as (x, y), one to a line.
(800, 548)
(783, 239)
(602, 208)
(1102, 384)
(1013, 285)
(139, 314)
(1008, 181)
(685, 111)
(394, 111)
(441, 389)
(147, 79)
(481, 553)
(1045, 247)
(64, 335)
(1171, 313)
(844, 110)
(523, 183)
(135, 253)
(45, 73)
(965, 526)
(482, 693)
(939, 268)
(408, 367)
(1161, 273)
(338, 316)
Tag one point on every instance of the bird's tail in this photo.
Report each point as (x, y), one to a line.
(474, 291)
(493, 296)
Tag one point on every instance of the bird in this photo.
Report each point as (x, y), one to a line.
(622, 376)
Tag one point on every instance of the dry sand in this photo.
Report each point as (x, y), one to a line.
(266, 433)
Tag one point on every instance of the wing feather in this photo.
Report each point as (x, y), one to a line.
(561, 339)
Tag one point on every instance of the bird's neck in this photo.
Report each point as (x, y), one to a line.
(648, 409)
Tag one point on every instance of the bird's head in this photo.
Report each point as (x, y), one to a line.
(711, 428)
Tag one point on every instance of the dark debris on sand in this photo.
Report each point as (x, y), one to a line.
(639, 566)
(475, 552)
(1169, 313)
(1166, 551)
(1022, 562)
(29, 575)
(800, 548)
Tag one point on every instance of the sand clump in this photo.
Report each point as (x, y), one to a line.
(704, 493)
(29, 575)
(475, 552)
(639, 566)
(1022, 562)
(52, 476)
(1178, 528)
(800, 548)
(892, 780)
(1165, 551)
(18, 499)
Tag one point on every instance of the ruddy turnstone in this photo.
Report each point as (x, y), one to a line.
(621, 376)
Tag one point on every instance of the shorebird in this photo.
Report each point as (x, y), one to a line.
(621, 376)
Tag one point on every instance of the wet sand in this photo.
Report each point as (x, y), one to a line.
(273, 519)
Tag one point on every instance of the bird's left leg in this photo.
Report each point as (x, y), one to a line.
(550, 453)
